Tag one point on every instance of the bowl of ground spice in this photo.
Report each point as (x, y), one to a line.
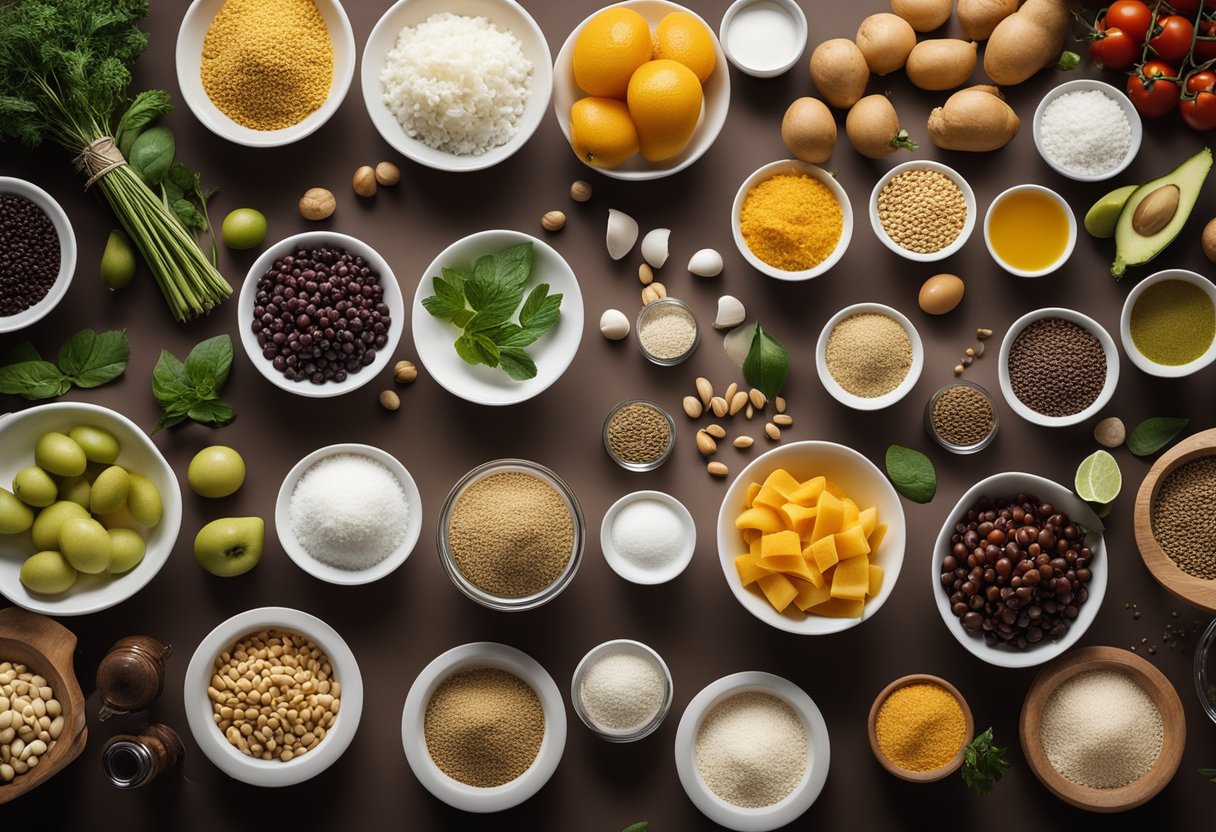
(1103, 729)
(639, 435)
(1168, 325)
(483, 727)
(918, 726)
(961, 417)
(869, 356)
(264, 73)
(1057, 367)
(791, 220)
(922, 210)
(37, 253)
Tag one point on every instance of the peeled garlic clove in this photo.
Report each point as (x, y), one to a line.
(730, 312)
(706, 263)
(614, 325)
(622, 233)
(655, 247)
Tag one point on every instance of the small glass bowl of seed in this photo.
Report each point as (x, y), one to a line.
(961, 417)
(639, 435)
(667, 331)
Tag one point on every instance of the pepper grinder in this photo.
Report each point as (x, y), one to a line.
(131, 761)
(131, 675)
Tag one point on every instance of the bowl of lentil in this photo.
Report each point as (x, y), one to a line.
(961, 417)
(922, 210)
(483, 727)
(37, 253)
(244, 85)
(1087, 130)
(639, 435)
(621, 690)
(791, 220)
(285, 653)
(511, 535)
(869, 356)
(752, 751)
(918, 726)
(1057, 367)
(357, 314)
(1168, 324)
(1103, 729)
(1174, 522)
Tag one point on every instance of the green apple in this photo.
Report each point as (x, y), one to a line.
(15, 516)
(216, 471)
(143, 500)
(128, 549)
(230, 546)
(110, 489)
(34, 487)
(86, 544)
(51, 519)
(47, 573)
(57, 453)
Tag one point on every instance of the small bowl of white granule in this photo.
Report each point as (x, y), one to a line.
(1087, 130)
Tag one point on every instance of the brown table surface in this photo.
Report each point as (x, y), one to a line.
(397, 625)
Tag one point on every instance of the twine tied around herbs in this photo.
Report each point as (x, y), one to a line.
(99, 158)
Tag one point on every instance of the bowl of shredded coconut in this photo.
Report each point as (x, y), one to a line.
(1087, 130)
(456, 85)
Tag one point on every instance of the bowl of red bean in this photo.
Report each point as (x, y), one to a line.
(37, 253)
(1019, 569)
(320, 314)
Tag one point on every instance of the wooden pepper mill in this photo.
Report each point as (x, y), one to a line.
(131, 675)
(134, 760)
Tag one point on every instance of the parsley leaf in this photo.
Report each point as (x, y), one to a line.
(983, 763)
(190, 389)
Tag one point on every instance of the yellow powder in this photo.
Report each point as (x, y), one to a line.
(792, 223)
(920, 727)
(267, 64)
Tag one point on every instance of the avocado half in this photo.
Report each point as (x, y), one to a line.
(1101, 219)
(1132, 248)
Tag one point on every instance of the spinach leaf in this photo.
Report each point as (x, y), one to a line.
(152, 155)
(767, 363)
(146, 108)
(911, 473)
(1152, 435)
(90, 360)
(190, 389)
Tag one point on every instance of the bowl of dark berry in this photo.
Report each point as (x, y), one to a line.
(37, 253)
(1019, 569)
(320, 314)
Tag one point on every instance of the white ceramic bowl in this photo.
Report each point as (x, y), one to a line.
(215, 746)
(805, 793)
(956, 178)
(91, 593)
(778, 64)
(333, 574)
(1009, 485)
(1083, 321)
(553, 352)
(189, 60)
(716, 91)
(1125, 333)
(631, 571)
(483, 654)
(877, 402)
(1083, 85)
(860, 480)
(506, 15)
(313, 239)
(624, 646)
(792, 167)
(67, 252)
(1068, 215)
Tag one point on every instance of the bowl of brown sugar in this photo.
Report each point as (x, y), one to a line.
(869, 356)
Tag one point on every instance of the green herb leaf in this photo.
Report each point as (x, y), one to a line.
(513, 267)
(152, 155)
(169, 380)
(540, 309)
(212, 412)
(767, 363)
(640, 826)
(456, 277)
(207, 366)
(91, 360)
(25, 351)
(146, 108)
(188, 215)
(518, 364)
(912, 473)
(1152, 435)
(1068, 61)
(1208, 774)
(33, 380)
(191, 389)
(983, 763)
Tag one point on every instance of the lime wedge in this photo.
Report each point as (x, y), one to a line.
(1098, 478)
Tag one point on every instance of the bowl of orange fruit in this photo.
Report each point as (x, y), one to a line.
(641, 89)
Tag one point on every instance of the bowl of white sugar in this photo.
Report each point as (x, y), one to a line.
(621, 690)
(348, 514)
(1087, 130)
(648, 537)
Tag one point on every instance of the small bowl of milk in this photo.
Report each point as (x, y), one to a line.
(763, 38)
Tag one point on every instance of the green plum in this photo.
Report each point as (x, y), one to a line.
(98, 444)
(86, 544)
(75, 490)
(231, 546)
(244, 228)
(34, 487)
(110, 490)
(127, 550)
(216, 471)
(51, 519)
(47, 573)
(144, 501)
(58, 454)
(15, 516)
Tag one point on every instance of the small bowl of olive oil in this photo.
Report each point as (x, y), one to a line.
(1030, 231)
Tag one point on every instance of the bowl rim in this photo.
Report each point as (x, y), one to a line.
(333, 574)
(792, 167)
(272, 773)
(886, 399)
(1125, 330)
(1093, 328)
(1134, 124)
(798, 18)
(1068, 215)
(471, 656)
(893, 767)
(188, 61)
(67, 253)
(624, 645)
(795, 804)
(1202, 650)
(954, 176)
(392, 298)
(1077, 509)
(635, 574)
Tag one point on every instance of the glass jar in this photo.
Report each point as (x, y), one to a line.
(644, 465)
(626, 646)
(134, 760)
(978, 445)
(668, 306)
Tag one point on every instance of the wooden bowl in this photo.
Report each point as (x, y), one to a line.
(904, 773)
(1154, 684)
(1195, 591)
(46, 647)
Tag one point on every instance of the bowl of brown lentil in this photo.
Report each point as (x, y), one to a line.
(869, 356)
(639, 435)
(1168, 324)
(961, 417)
(918, 726)
(922, 210)
(37, 253)
(260, 661)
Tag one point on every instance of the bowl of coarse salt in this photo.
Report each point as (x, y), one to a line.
(1087, 130)
(648, 537)
(348, 514)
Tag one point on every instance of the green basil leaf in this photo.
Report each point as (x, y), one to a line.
(1152, 435)
(540, 310)
(33, 380)
(482, 288)
(767, 363)
(462, 318)
(213, 412)
(91, 360)
(188, 215)
(911, 473)
(447, 302)
(511, 335)
(517, 363)
(467, 352)
(25, 351)
(148, 106)
(207, 365)
(169, 381)
(168, 420)
(182, 178)
(152, 154)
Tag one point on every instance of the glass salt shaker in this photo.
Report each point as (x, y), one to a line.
(134, 760)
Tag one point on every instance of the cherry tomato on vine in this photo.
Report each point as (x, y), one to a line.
(1114, 49)
(1153, 89)
(1205, 50)
(1198, 104)
(1171, 38)
(1132, 16)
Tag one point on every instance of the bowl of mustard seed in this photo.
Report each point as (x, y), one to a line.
(639, 435)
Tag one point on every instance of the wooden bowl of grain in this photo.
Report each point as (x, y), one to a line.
(895, 768)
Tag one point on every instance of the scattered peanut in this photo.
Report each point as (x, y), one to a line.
(758, 399)
(716, 431)
(364, 181)
(958, 369)
(388, 174)
(706, 444)
(389, 400)
(779, 403)
(317, 204)
(967, 360)
(404, 372)
(970, 353)
(749, 411)
(645, 274)
(580, 191)
(772, 431)
(731, 389)
(983, 332)
(553, 221)
(717, 469)
(705, 390)
(738, 402)
(718, 405)
(979, 349)
(693, 407)
(649, 295)
(743, 441)
(783, 420)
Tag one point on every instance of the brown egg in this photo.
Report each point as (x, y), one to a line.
(941, 293)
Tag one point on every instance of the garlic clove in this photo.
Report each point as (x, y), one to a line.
(706, 263)
(738, 341)
(655, 247)
(614, 325)
(730, 312)
(622, 233)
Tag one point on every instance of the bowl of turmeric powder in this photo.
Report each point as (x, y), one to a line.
(918, 727)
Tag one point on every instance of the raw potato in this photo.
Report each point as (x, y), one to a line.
(979, 17)
(872, 126)
(1209, 240)
(1026, 41)
(941, 64)
(809, 131)
(923, 15)
(975, 119)
(885, 40)
(839, 72)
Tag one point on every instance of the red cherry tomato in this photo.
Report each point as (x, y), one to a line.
(1205, 50)
(1153, 89)
(1171, 38)
(1114, 49)
(1198, 105)
(1132, 17)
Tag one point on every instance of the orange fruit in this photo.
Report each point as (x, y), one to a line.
(601, 131)
(665, 103)
(681, 37)
(613, 44)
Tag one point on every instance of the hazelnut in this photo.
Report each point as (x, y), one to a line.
(580, 191)
(388, 174)
(389, 400)
(364, 181)
(404, 372)
(553, 221)
(317, 204)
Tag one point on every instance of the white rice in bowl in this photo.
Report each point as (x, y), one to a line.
(457, 84)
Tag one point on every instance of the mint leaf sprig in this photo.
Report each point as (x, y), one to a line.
(191, 389)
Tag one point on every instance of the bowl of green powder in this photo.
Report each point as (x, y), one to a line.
(1168, 325)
